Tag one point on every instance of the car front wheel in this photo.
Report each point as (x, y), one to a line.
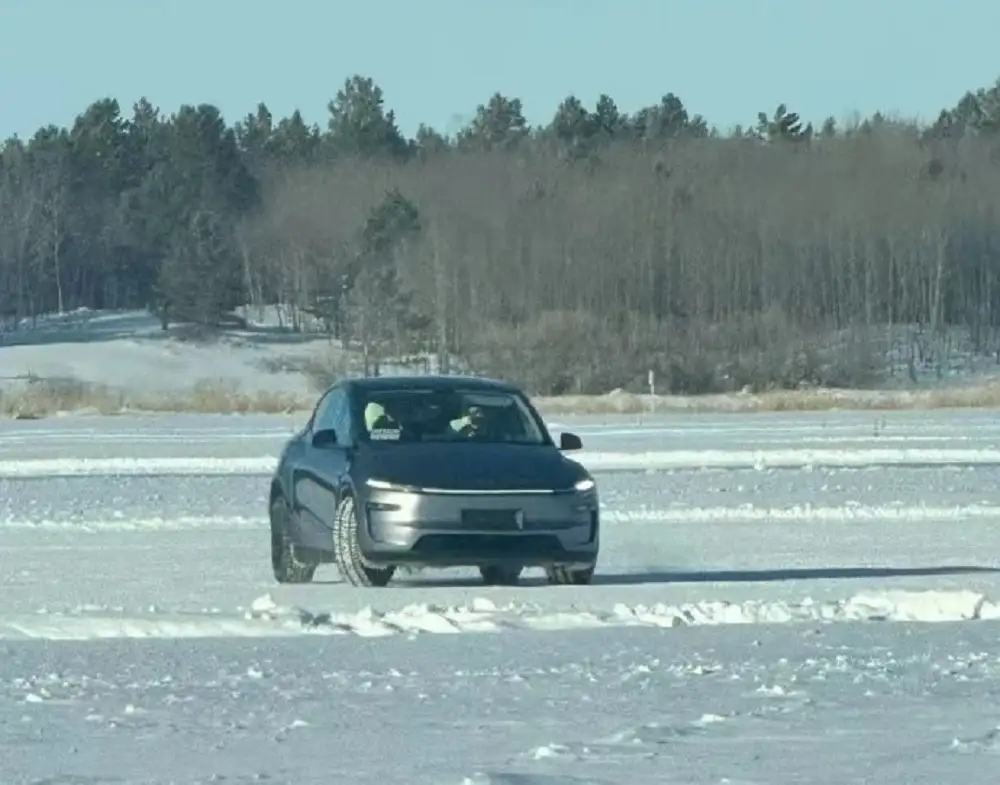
(347, 549)
(569, 576)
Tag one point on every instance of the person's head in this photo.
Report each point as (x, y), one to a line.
(477, 417)
(373, 412)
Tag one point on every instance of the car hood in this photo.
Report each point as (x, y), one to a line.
(479, 467)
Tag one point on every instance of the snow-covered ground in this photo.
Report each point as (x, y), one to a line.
(761, 614)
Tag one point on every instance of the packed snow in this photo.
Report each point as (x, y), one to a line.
(780, 599)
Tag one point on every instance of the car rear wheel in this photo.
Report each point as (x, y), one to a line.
(569, 576)
(287, 567)
(347, 550)
(501, 574)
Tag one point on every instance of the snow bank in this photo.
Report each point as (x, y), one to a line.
(483, 615)
(595, 461)
(266, 618)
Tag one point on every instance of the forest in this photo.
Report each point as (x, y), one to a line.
(572, 257)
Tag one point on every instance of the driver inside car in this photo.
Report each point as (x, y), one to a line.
(476, 423)
(379, 423)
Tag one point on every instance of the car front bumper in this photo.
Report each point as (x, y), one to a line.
(475, 528)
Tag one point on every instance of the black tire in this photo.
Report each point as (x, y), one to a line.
(501, 574)
(566, 576)
(287, 567)
(347, 551)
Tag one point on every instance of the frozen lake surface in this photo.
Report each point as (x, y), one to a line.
(762, 613)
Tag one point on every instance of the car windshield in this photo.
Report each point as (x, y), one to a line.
(424, 415)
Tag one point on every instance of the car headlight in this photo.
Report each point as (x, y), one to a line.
(385, 485)
(584, 485)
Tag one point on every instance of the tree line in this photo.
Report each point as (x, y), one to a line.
(574, 256)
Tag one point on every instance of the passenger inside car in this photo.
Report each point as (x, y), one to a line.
(407, 417)
(379, 424)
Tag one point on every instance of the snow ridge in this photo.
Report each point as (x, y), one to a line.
(267, 618)
(483, 615)
(596, 461)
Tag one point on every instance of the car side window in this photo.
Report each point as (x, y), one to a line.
(335, 414)
(341, 419)
(326, 411)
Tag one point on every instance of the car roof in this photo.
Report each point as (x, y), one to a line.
(428, 382)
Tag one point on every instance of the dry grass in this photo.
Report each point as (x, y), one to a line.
(985, 396)
(45, 398)
(35, 400)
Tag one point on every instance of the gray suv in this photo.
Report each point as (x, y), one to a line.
(431, 471)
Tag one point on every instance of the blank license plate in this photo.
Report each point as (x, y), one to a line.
(492, 519)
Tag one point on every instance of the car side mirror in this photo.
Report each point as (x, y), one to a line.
(570, 441)
(327, 437)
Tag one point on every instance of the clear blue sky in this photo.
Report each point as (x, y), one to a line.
(437, 59)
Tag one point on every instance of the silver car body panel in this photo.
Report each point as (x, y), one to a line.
(475, 526)
(461, 521)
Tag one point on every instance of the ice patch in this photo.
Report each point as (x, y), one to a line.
(266, 618)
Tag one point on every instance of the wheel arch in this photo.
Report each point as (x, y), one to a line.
(277, 491)
(346, 489)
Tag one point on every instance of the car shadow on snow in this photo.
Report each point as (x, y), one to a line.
(431, 579)
(789, 574)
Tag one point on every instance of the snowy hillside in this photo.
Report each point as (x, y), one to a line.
(130, 350)
(106, 356)
(113, 361)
